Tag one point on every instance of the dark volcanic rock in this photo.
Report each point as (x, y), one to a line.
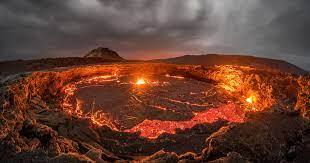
(240, 60)
(105, 53)
(19, 66)
(275, 138)
(70, 157)
(162, 156)
(231, 157)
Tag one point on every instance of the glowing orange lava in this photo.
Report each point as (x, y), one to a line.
(177, 77)
(251, 99)
(140, 82)
(153, 128)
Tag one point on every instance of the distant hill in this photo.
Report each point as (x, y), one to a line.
(104, 53)
(219, 59)
(96, 56)
(18, 66)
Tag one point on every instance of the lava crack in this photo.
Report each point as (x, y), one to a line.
(153, 128)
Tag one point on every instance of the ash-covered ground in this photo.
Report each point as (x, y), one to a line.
(155, 113)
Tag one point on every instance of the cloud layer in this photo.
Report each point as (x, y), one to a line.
(145, 29)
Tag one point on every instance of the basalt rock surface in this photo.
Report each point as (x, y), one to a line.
(35, 127)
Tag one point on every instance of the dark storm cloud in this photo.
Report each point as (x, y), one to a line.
(290, 29)
(155, 28)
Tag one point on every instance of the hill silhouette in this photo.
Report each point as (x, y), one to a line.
(239, 60)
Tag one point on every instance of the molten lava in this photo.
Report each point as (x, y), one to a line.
(251, 99)
(251, 103)
(140, 82)
(153, 128)
(177, 77)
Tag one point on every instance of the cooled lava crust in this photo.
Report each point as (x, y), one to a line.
(155, 112)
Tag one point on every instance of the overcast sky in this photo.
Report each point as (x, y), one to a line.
(148, 29)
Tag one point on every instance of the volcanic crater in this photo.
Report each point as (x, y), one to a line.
(153, 111)
(152, 103)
